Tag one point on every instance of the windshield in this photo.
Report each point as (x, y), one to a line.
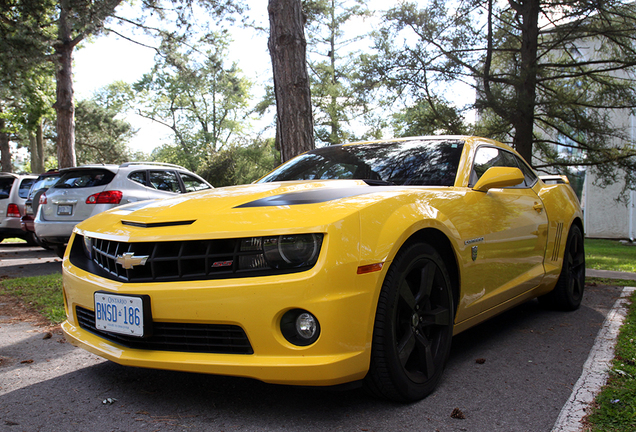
(415, 162)
(43, 183)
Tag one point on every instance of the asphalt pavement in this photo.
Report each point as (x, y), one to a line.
(515, 372)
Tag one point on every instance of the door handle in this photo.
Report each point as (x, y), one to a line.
(538, 207)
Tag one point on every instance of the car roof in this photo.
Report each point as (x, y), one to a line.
(115, 168)
(413, 138)
(8, 174)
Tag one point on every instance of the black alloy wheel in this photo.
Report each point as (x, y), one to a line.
(413, 326)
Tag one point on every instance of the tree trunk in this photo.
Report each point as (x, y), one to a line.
(33, 149)
(5, 151)
(523, 122)
(64, 106)
(39, 145)
(36, 144)
(333, 107)
(287, 48)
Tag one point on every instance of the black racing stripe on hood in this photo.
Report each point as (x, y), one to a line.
(313, 196)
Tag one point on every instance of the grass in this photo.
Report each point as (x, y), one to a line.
(13, 240)
(615, 407)
(610, 255)
(42, 293)
(610, 282)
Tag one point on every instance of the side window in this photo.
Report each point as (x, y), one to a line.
(5, 186)
(487, 157)
(139, 177)
(164, 181)
(191, 183)
(25, 187)
(530, 176)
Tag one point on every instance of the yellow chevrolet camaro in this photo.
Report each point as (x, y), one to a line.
(348, 264)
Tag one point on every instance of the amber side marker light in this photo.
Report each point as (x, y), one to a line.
(370, 268)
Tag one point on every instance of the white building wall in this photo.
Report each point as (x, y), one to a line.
(605, 217)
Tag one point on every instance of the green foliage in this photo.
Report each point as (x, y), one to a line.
(43, 293)
(438, 118)
(615, 407)
(241, 164)
(604, 254)
(193, 93)
(99, 136)
(337, 103)
(539, 87)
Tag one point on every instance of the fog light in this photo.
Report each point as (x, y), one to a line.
(300, 327)
(306, 325)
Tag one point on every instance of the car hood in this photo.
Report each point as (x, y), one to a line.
(238, 211)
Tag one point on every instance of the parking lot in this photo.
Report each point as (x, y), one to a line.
(513, 373)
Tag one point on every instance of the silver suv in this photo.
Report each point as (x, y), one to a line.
(14, 189)
(84, 191)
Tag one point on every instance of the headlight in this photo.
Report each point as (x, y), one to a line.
(288, 251)
(279, 252)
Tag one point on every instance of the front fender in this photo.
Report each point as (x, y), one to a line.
(387, 225)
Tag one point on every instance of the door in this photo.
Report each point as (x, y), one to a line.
(508, 239)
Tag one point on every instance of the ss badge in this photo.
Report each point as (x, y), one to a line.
(474, 252)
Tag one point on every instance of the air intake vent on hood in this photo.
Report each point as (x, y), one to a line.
(157, 224)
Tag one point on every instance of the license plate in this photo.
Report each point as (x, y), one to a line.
(64, 210)
(119, 314)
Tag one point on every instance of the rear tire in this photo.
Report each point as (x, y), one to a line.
(31, 239)
(568, 292)
(59, 250)
(413, 326)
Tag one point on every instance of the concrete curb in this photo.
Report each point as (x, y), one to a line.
(595, 370)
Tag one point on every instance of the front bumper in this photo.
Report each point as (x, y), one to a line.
(343, 301)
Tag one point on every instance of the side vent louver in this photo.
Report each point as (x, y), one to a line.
(557, 242)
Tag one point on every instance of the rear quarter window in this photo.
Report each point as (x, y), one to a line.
(5, 186)
(84, 178)
(192, 184)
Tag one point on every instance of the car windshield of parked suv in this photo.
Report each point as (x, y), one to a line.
(414, 162)
(43, 183)
(5, 186)
(25, 187)
(84, 178)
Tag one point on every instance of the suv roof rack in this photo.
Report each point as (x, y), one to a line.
(127, 164)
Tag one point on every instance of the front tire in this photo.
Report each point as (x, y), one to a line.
(413, 326)
(568, 292)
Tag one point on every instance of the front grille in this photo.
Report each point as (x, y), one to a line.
(181, 337)
(170, 261)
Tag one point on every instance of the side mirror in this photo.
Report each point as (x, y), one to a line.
(499, 177)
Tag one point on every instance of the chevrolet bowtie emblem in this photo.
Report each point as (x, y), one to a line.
(128, 260)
